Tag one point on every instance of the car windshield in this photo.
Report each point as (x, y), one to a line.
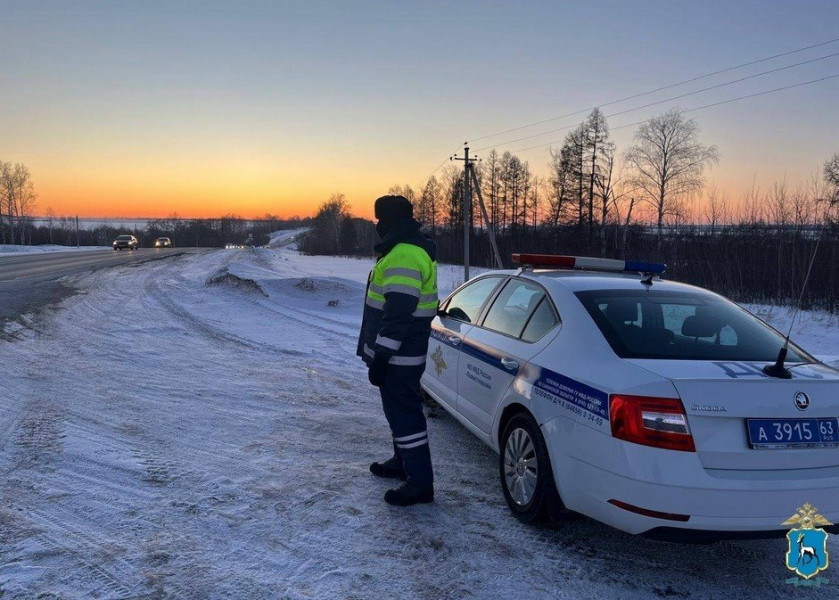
(124, 238)
(683, 326)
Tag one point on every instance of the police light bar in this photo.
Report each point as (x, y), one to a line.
(586, 262)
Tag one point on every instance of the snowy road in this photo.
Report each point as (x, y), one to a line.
(29, 280)
(199, 428)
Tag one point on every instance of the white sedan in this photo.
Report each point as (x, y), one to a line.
(639, 402)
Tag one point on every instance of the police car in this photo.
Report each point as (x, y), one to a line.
(639, 402)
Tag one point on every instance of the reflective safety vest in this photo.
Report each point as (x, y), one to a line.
(400, 304)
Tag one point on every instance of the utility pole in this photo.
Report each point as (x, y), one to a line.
(469, 178)
(467, 207)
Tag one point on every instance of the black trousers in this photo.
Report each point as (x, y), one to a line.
(402, 404)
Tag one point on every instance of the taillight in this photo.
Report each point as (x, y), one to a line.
(658, 422)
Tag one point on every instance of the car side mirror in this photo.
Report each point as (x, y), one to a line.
(459, 314)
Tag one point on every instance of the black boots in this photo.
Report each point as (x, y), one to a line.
(408, 494)
(389, 469)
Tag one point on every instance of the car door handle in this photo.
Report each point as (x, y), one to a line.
(453, 339)
(509, 364)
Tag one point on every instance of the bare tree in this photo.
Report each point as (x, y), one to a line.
(50, 217)
(407, 191)
(753, 206)
(605, 188)
(561, 181)
(598, 148)
(831, 178)
(17, 200)
(717, 209)
(429, 204)
(628, 200)
(327, 225)
(668, 162)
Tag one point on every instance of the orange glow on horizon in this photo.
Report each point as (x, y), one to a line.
(95, 199)
(248, 189)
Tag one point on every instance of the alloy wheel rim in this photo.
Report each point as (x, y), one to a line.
(521, 470)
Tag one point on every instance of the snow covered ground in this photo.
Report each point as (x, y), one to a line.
(16, 249)
(199, 427)
(817, 332)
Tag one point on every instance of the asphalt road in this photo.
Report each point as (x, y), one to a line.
(29, 282)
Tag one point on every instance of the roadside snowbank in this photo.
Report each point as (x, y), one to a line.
(16, 249)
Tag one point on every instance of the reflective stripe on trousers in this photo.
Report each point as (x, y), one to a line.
(400, 361)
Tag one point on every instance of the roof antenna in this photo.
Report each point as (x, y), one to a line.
(778, 369)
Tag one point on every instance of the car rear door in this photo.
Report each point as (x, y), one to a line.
(510, 335)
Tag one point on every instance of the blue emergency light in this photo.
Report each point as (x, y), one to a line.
(587, 262)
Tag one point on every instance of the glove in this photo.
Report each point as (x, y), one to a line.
(378, 369)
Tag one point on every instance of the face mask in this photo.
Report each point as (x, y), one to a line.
(382, 228)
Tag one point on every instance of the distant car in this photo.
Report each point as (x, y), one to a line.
(639, 402)
(163, 242)
(128, 242)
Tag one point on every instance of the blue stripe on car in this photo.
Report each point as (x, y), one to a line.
(561, 388)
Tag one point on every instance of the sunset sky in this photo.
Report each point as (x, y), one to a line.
(144, 108)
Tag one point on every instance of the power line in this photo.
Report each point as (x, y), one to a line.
(685, 95)
(444, 161)
(730, 100)
(672, 85)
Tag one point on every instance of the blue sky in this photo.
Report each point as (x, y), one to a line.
(279, 104)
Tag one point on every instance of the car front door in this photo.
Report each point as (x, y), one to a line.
(511, 334)
(456, 318)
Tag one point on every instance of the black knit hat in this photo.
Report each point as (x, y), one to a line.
(393, 208)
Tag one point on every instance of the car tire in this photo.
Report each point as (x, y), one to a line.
(525, 470)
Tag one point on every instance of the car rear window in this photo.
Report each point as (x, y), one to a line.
(682, 326)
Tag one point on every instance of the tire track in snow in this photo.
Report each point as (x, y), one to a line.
(66, 536)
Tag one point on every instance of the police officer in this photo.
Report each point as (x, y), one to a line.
(400, 305)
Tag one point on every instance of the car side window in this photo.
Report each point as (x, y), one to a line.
(513, 307)
(543, 320)
(466, 304)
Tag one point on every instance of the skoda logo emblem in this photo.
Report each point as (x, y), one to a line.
(802, 401)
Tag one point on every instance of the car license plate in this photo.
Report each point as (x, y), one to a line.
(793, 433)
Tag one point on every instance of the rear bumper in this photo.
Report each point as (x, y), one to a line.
(698, 536)
(591, 469)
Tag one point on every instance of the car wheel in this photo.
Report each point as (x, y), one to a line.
(526, 474)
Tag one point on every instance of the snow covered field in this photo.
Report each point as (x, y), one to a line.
(199, 427)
